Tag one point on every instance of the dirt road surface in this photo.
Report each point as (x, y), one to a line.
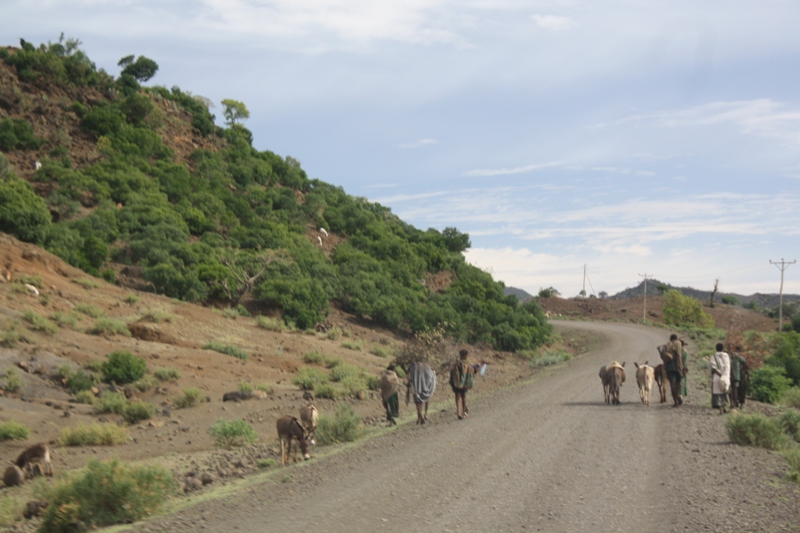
(547, 455)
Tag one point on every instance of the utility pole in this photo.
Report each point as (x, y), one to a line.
(783, 266)
(583, 292)
(644, 309)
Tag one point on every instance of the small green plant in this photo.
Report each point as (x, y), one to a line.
(264, 387)
(344, 371)
(80, 381)
(768, 383)
(242, 310)
(9, 338)
(790, 422)
(526, 355)
(327, 391)
(373, 383)
(245, 386)
(94, 435)
(95, 365)
(352, 385)
(270, 324)
(191, 397)
(90, 310)
(308, 378)
(110, 402)
(108, 275)
(137, 411)
(157, 315)
(332, 362)
(314, 358)
(106, 493)
(265, 463)
(13, 430)
(344, 426)
(85, 396)
(550, 358)
(123, 367)
(346, 332)
(353, 345)
(334, 333)
(229, 433)
(382, 351)
(65, 319)
(792, 456)
(31, 279)
(230, 312)
(227, 349)
(167, 374)
(145, 383)
(756, 430)
(39, 323)
(791, 397)
(131, 298)
(13, 383)
(88, 283)
(109, 326)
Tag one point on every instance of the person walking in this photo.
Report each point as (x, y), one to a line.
(672, 356)
(720, 379)
(390, 384)
(462, 377)
(422, 383)
(739, 371)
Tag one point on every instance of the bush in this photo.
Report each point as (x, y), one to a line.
(110, 402)
(85, 396)
(680, 310)
(131, 298)
(229, 433)
(106, 493)
(157, 315)
(344, 371)
(792, 456)
(94, 435)
(80, 381)
(244, 386)
(790, 422)
(13, 381)
(327, 391)
(137, 411)
(227, 349)
(89, 310)
(344, 426)
(310, 378)
(382, 351)
(65, 319)
(192, 396)
(353, 345)
(352, 385)
(314, 358)
(87, 283)
(550, 358)
(167, 374)
(791, 397)
(264, 387)
(109, 326)
(145, 384)
(756, 430)
(270, 324)
(13, 430)
(768, 383)
(730, 299)
(39, 323)
(123, 367)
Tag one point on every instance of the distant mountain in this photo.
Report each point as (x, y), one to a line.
(519, 293)
(654, 286)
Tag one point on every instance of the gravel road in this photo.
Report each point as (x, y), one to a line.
(548, 455)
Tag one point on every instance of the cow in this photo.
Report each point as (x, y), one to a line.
(289, 428)
(308, 418)
(605, 378)
(35, 460)
(660, 375)
(644, 379)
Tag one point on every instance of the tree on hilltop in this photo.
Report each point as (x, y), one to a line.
(142, 69)
(234, 110)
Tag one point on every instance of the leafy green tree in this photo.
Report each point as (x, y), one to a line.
(234, 111)
(141, 69)
(22, 213)
(680, 310)
(455, 241)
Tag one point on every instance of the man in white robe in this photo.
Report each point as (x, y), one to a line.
(720, 379)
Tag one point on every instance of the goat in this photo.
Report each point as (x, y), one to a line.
(644, 378)
(290, 428)
(37, 165)
(36, 460)
(319, 240)
(308, 418)
(31, 289)
(323, 231)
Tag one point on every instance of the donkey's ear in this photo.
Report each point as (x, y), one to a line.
(623, 363)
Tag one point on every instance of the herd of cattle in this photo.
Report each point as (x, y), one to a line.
(613, 376)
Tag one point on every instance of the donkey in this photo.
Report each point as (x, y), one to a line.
(616, 377)
(660, 375)
(35, 460)
(308, 418)
(290, 428)
(644, 379)
(605, 378)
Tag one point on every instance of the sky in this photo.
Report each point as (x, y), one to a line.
(615, 138)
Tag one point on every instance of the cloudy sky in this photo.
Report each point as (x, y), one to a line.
(634, 137)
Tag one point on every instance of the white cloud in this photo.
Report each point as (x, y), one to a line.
(418, 143)
(507, 171)
(553, 22)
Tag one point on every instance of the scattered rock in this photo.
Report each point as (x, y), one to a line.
(207, 478)
(191, 484)
(34, 508)
(13, 476)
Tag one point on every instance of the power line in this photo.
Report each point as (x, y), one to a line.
(783, 266)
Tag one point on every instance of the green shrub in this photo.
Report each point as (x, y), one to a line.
(85, 396)
(791, 397)
(768, 383)
(373, 383)
(157, 315)
(94, 435)
(310, 378)
(39, 323)
(527, 355)
(89, 310)
(13, 383)
(106, 493)
(80, 381)
(334, 333)
(353, 345)
(265, 463)
(229, 433)
(123, 367)
(343, 371)
(167, 374)
(65, 319)
(682, 310)
(270, 324)
(146, 383)
(131, 298)
(264, 387)
(13, 430)
(23, 214)
(332, 362)
(137, 411)
(227, 349)
(550, 358)
(229, 312)
(382, 351)
(9, 337)
(110, 402)
(327, 391)
(730, 299)
(109, 326)
(95, 365)
(31, 279)
(792, 456)
(192, 397)
(18, 133)
(109, 275)
(244, 386)
(756, 430)
(314, 358)
(242, 310)
(790, 422)
(352, 385)
(344, 426)
(88, 283)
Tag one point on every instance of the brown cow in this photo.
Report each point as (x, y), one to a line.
(290, 428)
(660, 375)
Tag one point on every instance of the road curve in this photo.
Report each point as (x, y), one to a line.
(549, 455)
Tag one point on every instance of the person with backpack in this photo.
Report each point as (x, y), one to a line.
(462, 378)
